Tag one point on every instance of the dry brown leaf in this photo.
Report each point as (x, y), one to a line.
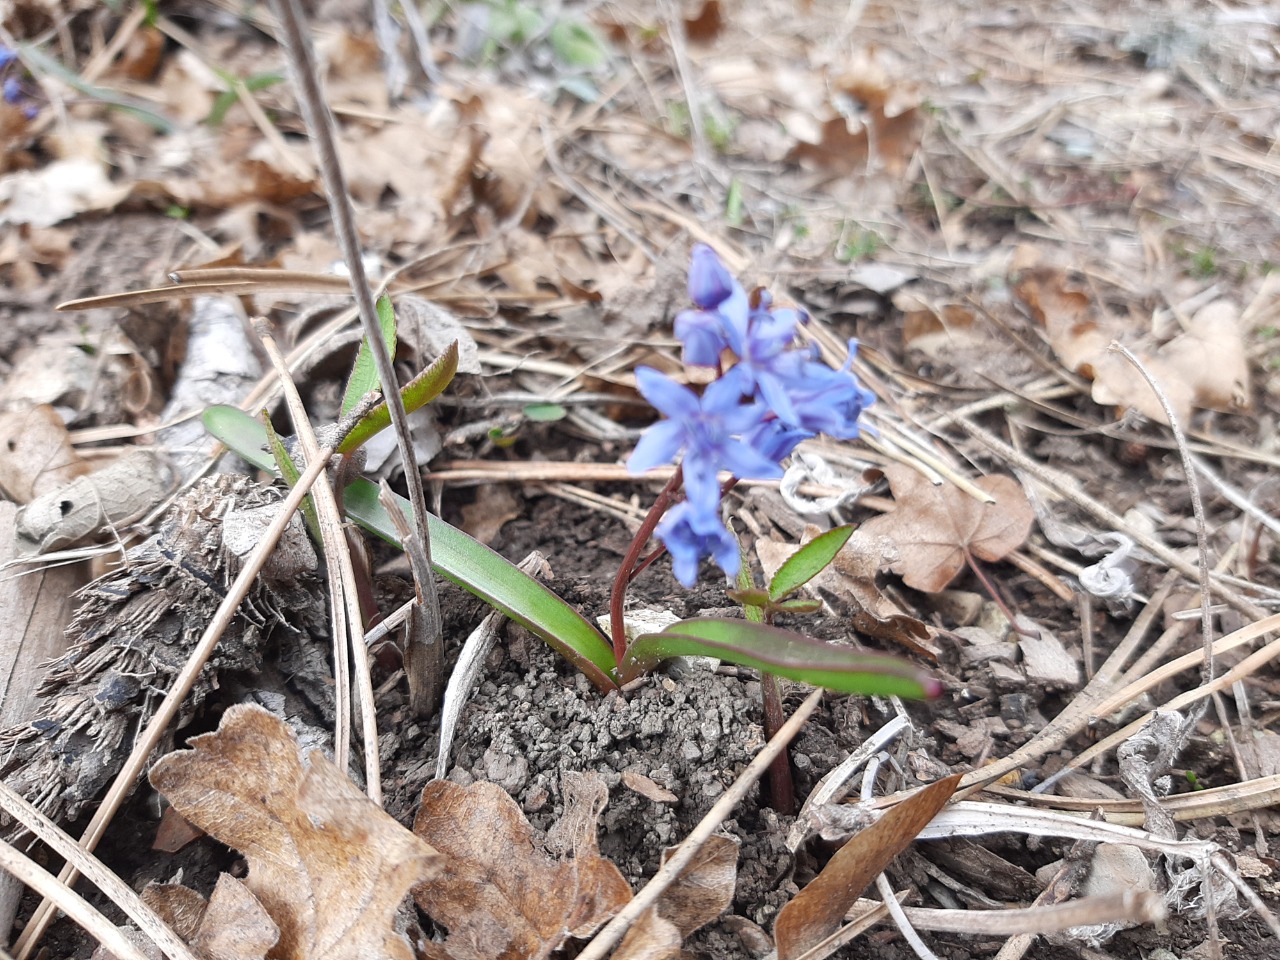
(232, 925)
(37, 453)
(329, 866)
(701, 892)
(501, 894)
(235, 926)
(1206, 366)
(818, 909)
(494, 506)
(118, 494)
(934, 527)
(889, 124)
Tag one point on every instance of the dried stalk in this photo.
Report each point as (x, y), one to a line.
(320, 124)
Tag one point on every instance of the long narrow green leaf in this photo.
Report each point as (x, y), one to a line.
(240, 433)
(364, 374)
(782, 653)
(39, 62)
(418, 392)
(465, 561)
(807, 562)
(498, 582)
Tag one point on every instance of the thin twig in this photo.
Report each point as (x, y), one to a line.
(92, 868)
(68, 901)
(343, 591)
(1197, 509)
(320, 124)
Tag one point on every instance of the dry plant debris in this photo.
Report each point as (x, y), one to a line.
(504, 893)
(135, 627)
(817, 910)
(936, 528)
(986, 196)
(327, 865)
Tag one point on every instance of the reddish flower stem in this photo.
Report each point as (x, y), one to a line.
(617, 599)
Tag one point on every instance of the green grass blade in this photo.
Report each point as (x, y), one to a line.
(782, 653)
(364, 373)
(289, 470)
(418, 392)
(240, 433)
(499, 583)
(807, 562)
(467, 562)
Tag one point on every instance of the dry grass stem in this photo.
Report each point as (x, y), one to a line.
(91, 868)
(344, 595)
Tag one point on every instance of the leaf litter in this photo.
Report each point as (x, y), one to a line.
(912, 142)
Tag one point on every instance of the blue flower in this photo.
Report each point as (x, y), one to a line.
(710, 282)
(707, 430)
(689, 535)
(12, 90)
(7, 56)
(775, 394)
(775, 440)
(823, 400)
(721, 320)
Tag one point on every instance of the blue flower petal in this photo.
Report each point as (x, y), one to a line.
(659, 445)
(665, 395)
(710, 283)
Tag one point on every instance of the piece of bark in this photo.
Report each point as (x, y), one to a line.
(35, 607)
(135, 627)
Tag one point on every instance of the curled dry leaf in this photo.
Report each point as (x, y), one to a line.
(327, 864)
(38, 453)
(232, 926)
(1205, 366)
(818, 909)
(935, 527)
(501, 894)
(701, 892)
(118, 494)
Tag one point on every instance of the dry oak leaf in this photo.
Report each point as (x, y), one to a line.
(700, 892)
(38, 453)
(935, 527)
(501, 895)
(329, 866)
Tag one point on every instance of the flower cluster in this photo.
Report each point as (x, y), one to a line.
(771, 393)
(13, 89)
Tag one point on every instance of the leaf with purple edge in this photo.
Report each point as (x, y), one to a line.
(782, 653)
(418, 392)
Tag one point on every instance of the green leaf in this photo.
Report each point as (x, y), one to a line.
(733, 206)
(782, 653)
(499, 583)
(39, 62)
(240, 433)
(418, 392)
(809, 561)
(289, 470)
(576, 45)
(364, 372)
(545, 412)
(750, 597)
(465, 561)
